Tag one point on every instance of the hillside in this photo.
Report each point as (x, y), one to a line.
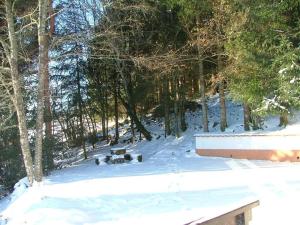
(172, 185)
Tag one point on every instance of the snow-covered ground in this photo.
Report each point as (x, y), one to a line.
(172, 185)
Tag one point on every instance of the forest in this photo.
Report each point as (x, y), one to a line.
(73, 71)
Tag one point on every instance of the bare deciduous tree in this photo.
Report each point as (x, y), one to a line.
(12, 54)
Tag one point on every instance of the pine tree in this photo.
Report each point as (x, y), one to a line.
(260, 47)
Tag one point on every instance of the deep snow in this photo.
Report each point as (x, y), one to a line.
(172, 186)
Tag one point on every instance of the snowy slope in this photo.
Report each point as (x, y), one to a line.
(172, 186)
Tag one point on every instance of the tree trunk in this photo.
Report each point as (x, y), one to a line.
(195, 85)
(89, 116)
(70, 128)
(17, 89)
(183, 125)
(223, 114)
(65, 131)
(221, 84)
(167, 107)
(132, 131)
(202, 84)
(48, 151)
(43, 70)
(101, 100)
(203, 98)
(130, 105)
(103, 119)
(90, 130)
(82, 139)
(283, 119)
(160, 92)
(92, 116)
(247, 117)
(116, 90)
(107, 117)
(48, 116)
(176, 106)
(136, 120)
(256, 121)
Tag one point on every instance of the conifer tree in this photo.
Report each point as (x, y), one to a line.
(262, 47)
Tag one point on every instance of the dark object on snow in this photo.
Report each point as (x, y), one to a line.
(118, 161)
(107, 159)
(215, 124)
(118, 156)
(140, 158)
(127, 157)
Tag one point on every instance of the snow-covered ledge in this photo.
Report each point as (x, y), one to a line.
(262, 146)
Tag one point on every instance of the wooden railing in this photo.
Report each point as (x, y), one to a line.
(238, 216)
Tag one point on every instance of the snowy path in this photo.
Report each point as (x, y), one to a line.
(172, 186)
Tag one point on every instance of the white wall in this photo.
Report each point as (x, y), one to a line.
(248, 142)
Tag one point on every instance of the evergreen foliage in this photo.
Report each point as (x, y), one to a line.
(264, 53)
(11, 164)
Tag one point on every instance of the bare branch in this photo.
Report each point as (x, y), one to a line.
(5, 47)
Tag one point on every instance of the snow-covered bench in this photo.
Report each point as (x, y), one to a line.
(264, 146)
(117, 156)
(239, 215)
(118, 151)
